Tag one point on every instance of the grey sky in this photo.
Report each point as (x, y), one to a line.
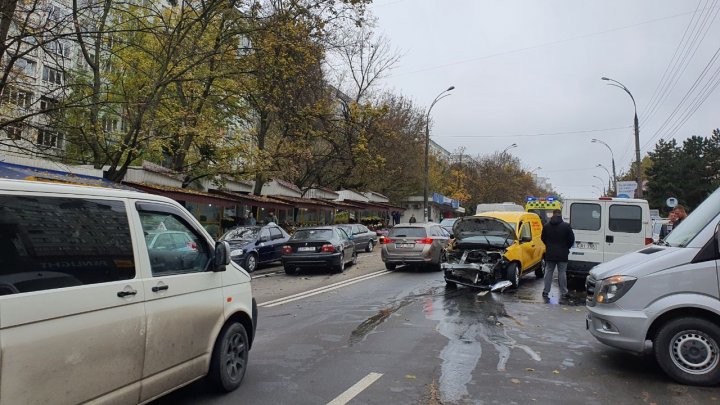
(534, 67)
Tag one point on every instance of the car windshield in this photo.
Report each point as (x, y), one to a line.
(241, 234)
(695, 222)
(313, 234)
(404, 232)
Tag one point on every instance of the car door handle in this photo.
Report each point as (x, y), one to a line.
(160, 288)
(609, 238)
(126, 293)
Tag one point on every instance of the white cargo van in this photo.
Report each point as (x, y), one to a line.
(605, 228)
(113, 296)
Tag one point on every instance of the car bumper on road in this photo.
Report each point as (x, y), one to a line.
(617, 327)
(577, 268)
(310, 260)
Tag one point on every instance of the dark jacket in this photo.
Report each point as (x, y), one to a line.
(558, 237)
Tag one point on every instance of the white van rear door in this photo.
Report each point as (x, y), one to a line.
(626, 229)
(586, 220)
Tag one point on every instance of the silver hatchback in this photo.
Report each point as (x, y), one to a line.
(415, 244)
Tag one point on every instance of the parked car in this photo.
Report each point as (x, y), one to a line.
(251, 246)
(447, 224)
(605, 228)
(495, 246)
(170, 240)
(326, 246)
(364, 238)
(415, 244)
(666, 294)
(101, 293)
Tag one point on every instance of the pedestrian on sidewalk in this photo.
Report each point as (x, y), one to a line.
(558, 237)
(412, 219)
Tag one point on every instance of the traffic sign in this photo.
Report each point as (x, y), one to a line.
(672, 202)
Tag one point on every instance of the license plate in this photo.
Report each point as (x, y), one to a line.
(586, 245)
(404, 245)
(306, 249)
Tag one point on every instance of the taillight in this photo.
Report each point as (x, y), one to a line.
(327, 248)
(386, 240)
(286, 249)
(649, 241)
(424, 241)
(192, 245)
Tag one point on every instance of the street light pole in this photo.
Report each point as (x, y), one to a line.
(601, 182)
(608, 173)
(509, 147)
(612, 156)
(638, 166)
(427, 149)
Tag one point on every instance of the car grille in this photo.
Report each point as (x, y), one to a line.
(590, 288)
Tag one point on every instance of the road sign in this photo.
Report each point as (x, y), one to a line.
(672, 202)
(626, 189)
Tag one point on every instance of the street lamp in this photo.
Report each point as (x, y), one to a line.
(608, 173)
(427, 149)
(601, 182)
(638, 167)
(535, 169)
(598, 189)
(509, 147)
(612, 156)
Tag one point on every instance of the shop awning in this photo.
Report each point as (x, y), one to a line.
(305, 202)
(184, 194)
(254, 200)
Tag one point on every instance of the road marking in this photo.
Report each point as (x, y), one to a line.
(320, 290)
(353, 391)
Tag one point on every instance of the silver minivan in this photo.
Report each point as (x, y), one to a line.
(665, 298)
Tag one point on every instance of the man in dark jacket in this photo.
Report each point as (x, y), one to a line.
(558, 237)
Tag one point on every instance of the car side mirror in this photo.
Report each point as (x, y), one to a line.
(222, 256)
(526, 239)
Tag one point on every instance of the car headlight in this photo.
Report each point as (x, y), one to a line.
(613, 288)
(237, 252)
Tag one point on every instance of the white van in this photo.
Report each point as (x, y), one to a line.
(666, 299)
(91, 310)
(605, 228)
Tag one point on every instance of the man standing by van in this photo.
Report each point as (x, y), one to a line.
(558, 237)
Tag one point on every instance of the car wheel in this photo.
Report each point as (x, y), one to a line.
(290, 270)
(441, 260)
(512, 274)
(450, 284)
(339, 268)
(390, 266)
(229, 358)
(251, 262)
(370, 246)
(688, 350)
(540, 271)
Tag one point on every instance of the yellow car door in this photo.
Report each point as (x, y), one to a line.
(527, 245)
(539, 249)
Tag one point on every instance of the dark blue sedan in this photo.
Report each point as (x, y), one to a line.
(254, 245)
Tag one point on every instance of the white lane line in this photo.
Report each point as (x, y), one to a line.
(311, 293)
(323, 287)
(353, 391)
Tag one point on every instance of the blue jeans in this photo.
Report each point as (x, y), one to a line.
(562, 277)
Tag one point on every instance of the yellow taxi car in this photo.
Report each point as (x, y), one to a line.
(495, 247)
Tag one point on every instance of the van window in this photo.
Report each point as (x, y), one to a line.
(51, 242)
(625, 218)
(585, 216)
(173, 246)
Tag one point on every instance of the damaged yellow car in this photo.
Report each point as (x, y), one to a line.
(493, 250)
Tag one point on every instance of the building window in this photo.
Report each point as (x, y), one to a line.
(58, 48)
(110, 124)
(20, 98)
(14, 131)
(50, 139)
(25, 66)
(47, 103)
(52, 75)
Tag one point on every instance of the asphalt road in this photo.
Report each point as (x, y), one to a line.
(368, 336)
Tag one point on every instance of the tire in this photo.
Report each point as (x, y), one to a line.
(354, 259)
(450, 284)
(229, 358)
(441, 260)
(512, 274)
(688, 350)
(339, 268)
(390, 266)
(370, 246)
(251, 263)
(540, 271)
(289, 270)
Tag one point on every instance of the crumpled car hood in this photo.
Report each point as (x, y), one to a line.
(474, 226)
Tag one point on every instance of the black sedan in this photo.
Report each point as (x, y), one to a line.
(254, 245)
(364, 238)
(326, 246)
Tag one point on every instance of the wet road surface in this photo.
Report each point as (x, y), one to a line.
(403, 338)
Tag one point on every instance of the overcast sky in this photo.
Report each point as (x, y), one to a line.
(527, 68)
